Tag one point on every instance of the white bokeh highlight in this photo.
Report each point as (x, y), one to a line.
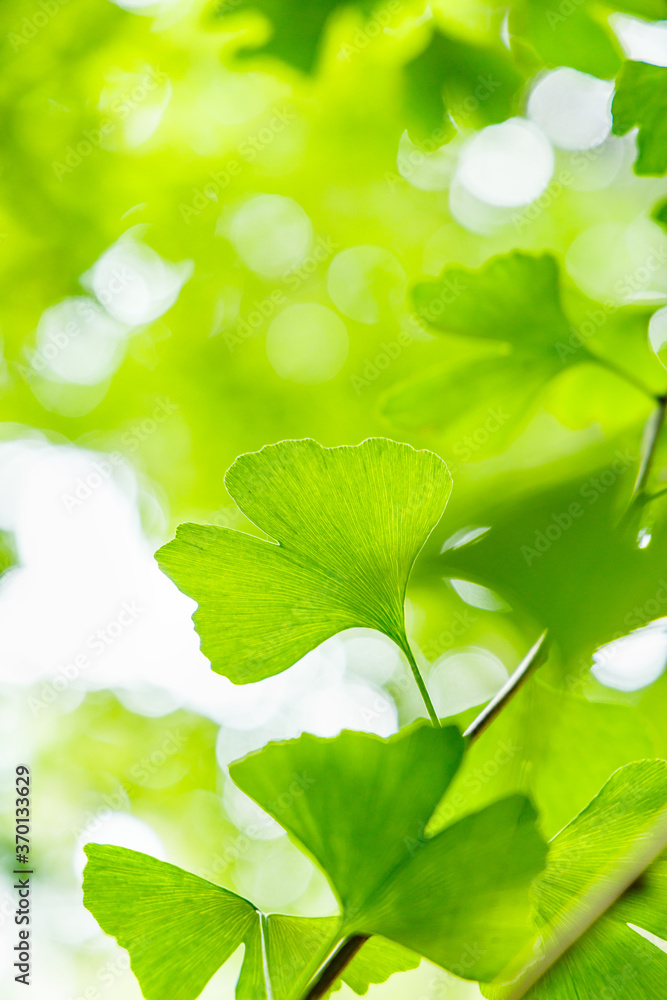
(134, 283)
(508, 165)
(271, 234)
(572, 109)
(634, 661)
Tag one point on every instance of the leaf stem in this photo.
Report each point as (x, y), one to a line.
(334, 965)
(533, 659)
(622, 373)
(340, 959)
(423, 690)
(653, 428)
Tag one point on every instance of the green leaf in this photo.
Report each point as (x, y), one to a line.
(573, 35)
(559, 764)
(180, 929)
(345, 526)
(460, 898)
(7, 551)
(641, 99)
(587, 862)
(452, 79)
(296, 29)
(513, 299)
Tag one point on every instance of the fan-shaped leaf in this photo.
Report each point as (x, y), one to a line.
(348, 523)
(180, 929)
(460, 898)
(641, 99)
(588, 860)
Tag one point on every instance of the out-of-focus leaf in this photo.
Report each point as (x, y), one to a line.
(452, 79)
(641, 99)
(513, 299)
(296, 29)
(535, 541)
(560, 763)
(7, 551)
(361, 816)
(345, 527)
(573, 35)
(589, 856)
(180, 929)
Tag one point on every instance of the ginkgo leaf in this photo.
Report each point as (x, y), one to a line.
(567, 35)
(296, 29)
(345, 526)
(641, 99)
(460, 898)
(583, 895)
(513, 299)
(179, 929)
(453, 80)
(559, 764)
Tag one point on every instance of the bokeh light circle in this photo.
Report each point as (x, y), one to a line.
(573, 109)
(271, 234)
(509, 164)
(307, 343)
(362, 281)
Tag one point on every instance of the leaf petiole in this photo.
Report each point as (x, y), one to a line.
(533, 659)
(423, 690)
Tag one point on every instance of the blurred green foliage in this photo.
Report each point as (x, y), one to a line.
(168, 127)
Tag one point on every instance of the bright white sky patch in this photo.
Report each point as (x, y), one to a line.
(625, 263)
(573, 109)
(642, 41)
(88, 609)
(107, 826)
(634, 661)
(509, 164)
(466, 536)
